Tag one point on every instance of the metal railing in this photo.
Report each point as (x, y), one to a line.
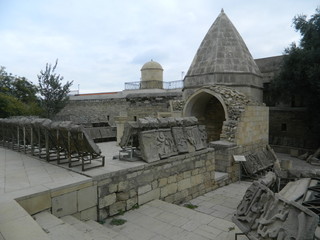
(153, 84)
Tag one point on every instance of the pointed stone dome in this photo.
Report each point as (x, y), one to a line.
(224, 59)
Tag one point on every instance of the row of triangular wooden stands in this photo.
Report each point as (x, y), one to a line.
(63, 141)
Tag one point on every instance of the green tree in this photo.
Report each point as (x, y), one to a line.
(299, 77)
(18, 96)
(54, 95)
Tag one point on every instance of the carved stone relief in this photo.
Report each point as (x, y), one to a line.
(194, 137)
(165, 143)
(264, 215)
(180, 139)
(148, 146)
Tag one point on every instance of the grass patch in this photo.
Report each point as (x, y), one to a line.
(231, 228)
(118, 221)
(190, 205)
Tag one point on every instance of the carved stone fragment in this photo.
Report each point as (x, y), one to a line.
(148, 146)
(165, 143)
(194, 137)
(264, 215)
(180, 139)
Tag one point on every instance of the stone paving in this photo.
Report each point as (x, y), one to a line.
(163, 221)
(21, 175)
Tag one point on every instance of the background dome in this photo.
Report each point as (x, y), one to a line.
(151, 65)
(151, 75)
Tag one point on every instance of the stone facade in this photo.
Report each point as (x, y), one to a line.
(175, 180)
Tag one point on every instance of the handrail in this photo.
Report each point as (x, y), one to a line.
(153, 84)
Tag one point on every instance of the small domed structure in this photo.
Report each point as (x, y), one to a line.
(151, 75)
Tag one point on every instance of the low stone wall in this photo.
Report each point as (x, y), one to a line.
(175, 180)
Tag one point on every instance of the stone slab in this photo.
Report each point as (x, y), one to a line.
(87, 198)
(65, 204)
(37, 203)
(22, 228)
(295, 190)
(89, 214)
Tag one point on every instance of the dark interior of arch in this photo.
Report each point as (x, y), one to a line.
(210, 113)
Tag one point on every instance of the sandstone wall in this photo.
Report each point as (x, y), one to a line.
(175, 180)
(253, 126)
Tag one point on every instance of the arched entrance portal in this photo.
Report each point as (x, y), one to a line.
(208, 107)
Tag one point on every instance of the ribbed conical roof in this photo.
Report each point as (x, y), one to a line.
(222, 51)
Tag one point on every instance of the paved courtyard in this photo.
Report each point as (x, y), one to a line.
(158, 220)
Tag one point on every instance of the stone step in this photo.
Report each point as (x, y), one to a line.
(58, 229)
(90, 228)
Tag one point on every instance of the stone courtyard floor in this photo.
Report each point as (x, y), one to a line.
(158, 220)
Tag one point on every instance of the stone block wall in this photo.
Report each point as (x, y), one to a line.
(92, 111)
(253, 126)
(107, 109)
(175, 180)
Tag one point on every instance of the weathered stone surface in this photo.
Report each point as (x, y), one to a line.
(184, 184)
(180, 139)
(157, 144)
(89, 214)
(144, 189)
(149, 196)
(169, 189)
(87, 198)
(194, 138)
(37, 203)
(107, 200)
(264, 215)
(65, 204)
(117, 207)
(161, 138)
(122, 196)
(122, 186)
(295, 190)
(149, 148)
(165, 144)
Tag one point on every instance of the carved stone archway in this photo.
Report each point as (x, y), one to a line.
(210, 110)
(218, 108)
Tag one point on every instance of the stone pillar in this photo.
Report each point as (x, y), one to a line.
(120, 122)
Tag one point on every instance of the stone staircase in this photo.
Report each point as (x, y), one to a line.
(70, 228)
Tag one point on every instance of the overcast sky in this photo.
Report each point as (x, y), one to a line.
(101, 44)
